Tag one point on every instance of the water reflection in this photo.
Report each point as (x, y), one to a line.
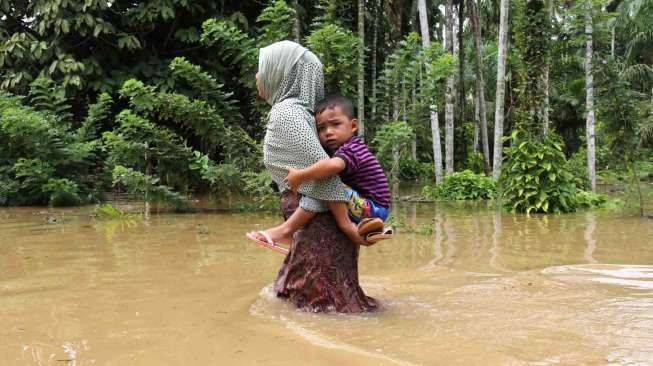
(496, 239)
(590, 227)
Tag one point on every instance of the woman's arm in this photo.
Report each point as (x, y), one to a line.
(320, 170)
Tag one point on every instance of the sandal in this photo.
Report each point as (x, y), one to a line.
(268, 243)
(369, 225)
(377, 236)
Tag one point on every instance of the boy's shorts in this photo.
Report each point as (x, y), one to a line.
(360, 208)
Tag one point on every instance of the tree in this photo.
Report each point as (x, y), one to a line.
(435, 126)
(480, 84)
(537, 177)
(375, 36)
(546, 81)
(625, 113)
(589, 100)
(449, 96)
(500, 91)
(361, 68)
(461, 61)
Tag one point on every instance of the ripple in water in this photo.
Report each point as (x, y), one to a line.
(308, 325)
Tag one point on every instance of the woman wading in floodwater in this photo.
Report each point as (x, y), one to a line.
(320, 273)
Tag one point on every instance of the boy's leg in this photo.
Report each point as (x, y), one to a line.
(362, 208)
(341, 214)
(284, 232)
(357, 206)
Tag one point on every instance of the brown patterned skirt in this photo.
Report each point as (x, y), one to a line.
(320, 274)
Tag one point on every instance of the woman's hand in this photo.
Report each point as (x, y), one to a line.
(294, 179)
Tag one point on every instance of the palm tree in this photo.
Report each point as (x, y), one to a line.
(501, 88)
(589, 99)
(448, 110)
(480, 84)
(435, 124)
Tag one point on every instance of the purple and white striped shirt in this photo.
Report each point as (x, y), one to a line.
(363, 172)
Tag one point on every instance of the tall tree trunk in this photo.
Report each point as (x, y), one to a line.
(547, 71)
(613, 41)
(414, 25)
(361, 69)
(435, 124)
(480, 84)
(395, 170)
(413, 147)
(477, 123)
(375, 35)
(589, 99)
(396, 108)
(448, 110)
(461, 63)
(501, 89)
(297, 25)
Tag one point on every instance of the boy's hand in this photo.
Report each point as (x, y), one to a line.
(293, 179)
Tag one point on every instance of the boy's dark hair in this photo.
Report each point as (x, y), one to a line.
(333, 101)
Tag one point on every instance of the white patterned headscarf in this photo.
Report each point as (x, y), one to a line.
(288, 70)
(293, 83)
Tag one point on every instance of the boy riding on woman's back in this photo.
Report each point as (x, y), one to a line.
(290, 148)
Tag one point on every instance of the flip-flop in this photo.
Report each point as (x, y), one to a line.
(268, 243)
(369, 225)
(375, 237)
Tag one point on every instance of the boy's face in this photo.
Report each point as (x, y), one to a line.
(334, 127)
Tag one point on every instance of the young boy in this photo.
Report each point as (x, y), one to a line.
(369, 194)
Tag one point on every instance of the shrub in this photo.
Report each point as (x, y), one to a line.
(536, 176)
(474, 161)
(259, 188)
(465, 185)
(138, 183)
(337, 48)
(587, 199)
(577, 166)
(62, 192)
(411, 169)
(41, 161)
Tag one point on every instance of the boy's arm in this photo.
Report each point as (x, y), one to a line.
(321, 169)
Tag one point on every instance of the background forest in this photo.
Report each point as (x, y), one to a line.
(531, 100)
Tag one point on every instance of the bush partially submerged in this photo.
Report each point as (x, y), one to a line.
(585, 199)
(62, 192)
(41, 162)
(464, 185)
(536, 177)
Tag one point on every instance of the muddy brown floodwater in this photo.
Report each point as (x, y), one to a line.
(485, 288)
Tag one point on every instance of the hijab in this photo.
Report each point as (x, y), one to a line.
(288, 70)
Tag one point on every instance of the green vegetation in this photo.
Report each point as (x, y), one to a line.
(536, 177)
(158, 98)
(465, 185)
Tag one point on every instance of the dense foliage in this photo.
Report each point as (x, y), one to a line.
(41, 159)
(465, 185)
(536, 177)
(158, 98)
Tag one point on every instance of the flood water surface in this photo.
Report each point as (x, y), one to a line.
(472, 286)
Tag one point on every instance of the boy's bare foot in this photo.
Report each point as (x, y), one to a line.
(267, 243)
(278, 234)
